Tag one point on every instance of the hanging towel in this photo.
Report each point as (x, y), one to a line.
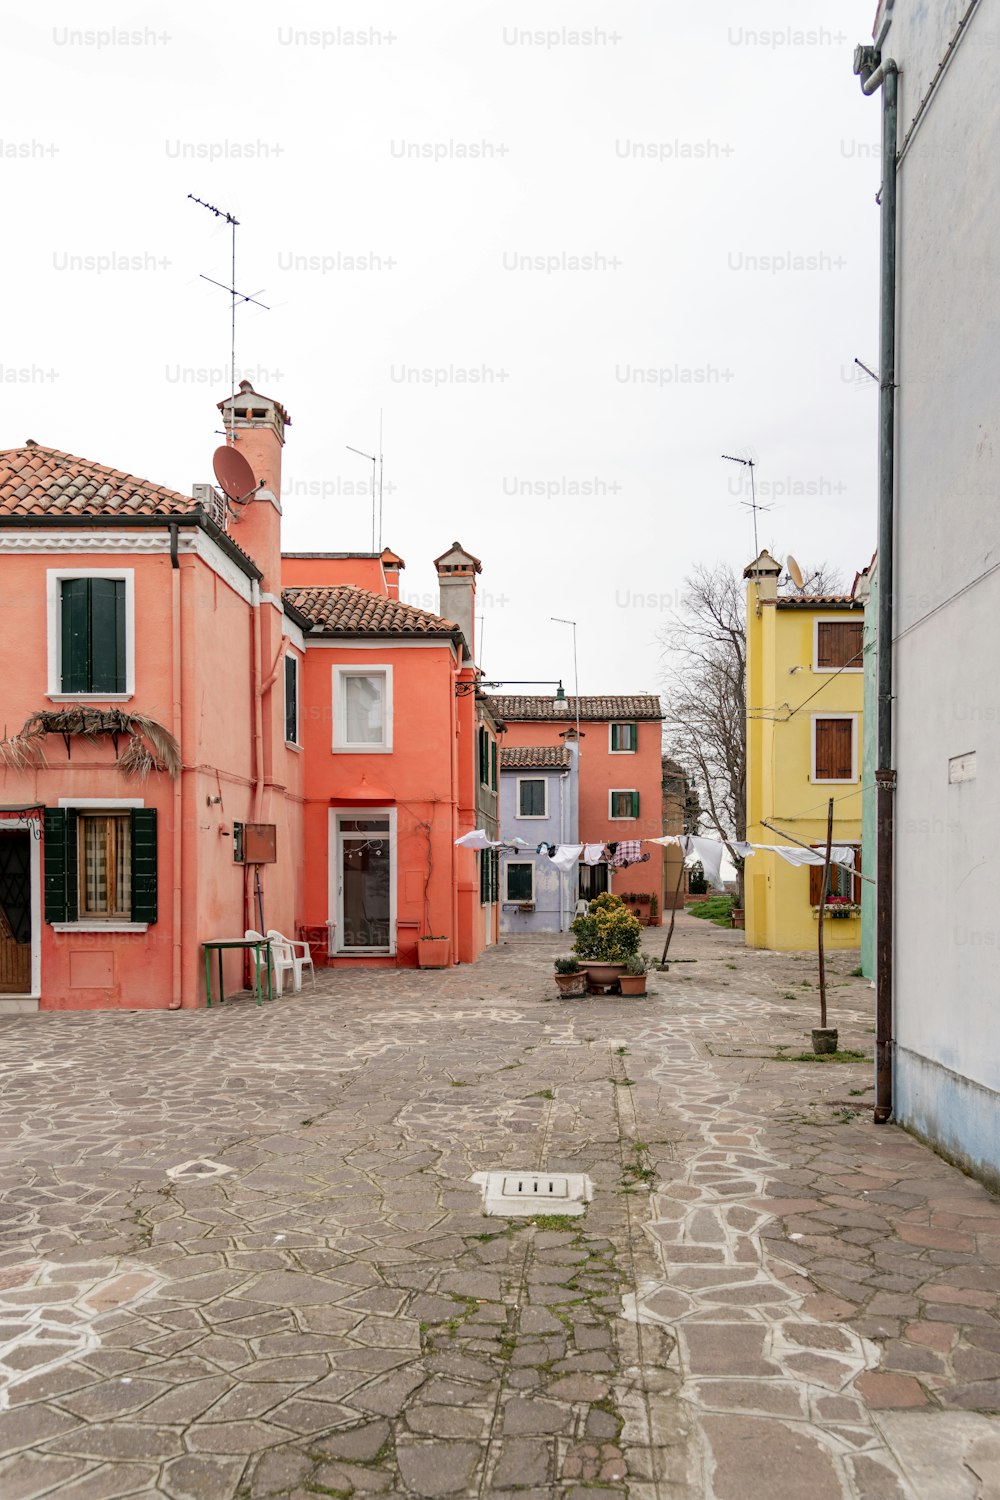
(629, 852)
(566, 856)
(593, 854)
(708, 853)
(477, 839)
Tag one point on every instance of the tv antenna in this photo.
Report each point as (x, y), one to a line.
(374, 459)
(749, 463)
(222, 213)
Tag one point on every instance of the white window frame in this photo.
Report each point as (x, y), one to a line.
(508, 899)
(622, 724)
(296, 743)
(341, 746)
(100, 805)
(834, 671)
(833, 780)
(53, 600)
(532, 817)
(614, 791)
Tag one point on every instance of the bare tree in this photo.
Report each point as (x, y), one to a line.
(704, 653)
(705, 659)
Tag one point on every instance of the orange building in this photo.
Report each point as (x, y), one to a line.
(620, 771)
(170, 694)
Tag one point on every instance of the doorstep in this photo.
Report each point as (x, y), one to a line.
(18, 1005)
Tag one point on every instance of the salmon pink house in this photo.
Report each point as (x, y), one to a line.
(201, 735)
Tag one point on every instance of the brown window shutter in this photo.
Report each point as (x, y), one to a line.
(834, 742)
(815, 884)
(839, 643)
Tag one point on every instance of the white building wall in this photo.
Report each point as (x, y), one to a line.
(947, 601)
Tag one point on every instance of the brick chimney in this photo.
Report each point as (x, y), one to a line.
(456, 570)
(392, 566)
(258, 425)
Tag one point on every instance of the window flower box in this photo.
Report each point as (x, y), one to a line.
(839, 909)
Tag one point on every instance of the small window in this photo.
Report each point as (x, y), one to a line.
(493, 764)
(624, 804)
(839, 645)
(520, 882)
(362, 709)
(105, 879)
(92, 635)
(834, 748)
(844, 883)
(484, 756)
(624, 739)
(489, 876)
(292, 699)
(531, 798)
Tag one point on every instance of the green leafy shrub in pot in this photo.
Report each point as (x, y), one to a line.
(637, 964)
(567, 965)
(608, 934)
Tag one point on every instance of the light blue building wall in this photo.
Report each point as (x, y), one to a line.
(552, 903)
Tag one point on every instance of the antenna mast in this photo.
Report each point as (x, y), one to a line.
(749, 463)
(222, 213)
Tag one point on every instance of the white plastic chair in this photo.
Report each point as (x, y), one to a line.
(279, 961)
(287, 947)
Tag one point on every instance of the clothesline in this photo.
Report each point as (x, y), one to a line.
(706, 852)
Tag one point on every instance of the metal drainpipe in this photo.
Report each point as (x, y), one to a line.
(875, 73)
(176, 992)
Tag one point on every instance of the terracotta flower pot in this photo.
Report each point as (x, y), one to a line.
(572, 984)
(433, 952)
(601, 976)
(632, 984)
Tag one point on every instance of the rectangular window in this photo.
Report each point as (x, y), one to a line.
(531, 798)
(484, 756)
(489, 881)
(623, 804)
(362, 700)
(105, 870)
(493, 764)
(92, 655)
(835, 748)
(843, 882)
(520, 882)
(839, 644)
(624, 739)
(292, 699)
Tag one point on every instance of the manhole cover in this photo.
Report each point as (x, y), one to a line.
(520, 1194)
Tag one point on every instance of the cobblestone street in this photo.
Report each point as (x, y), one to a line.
(242, 1254)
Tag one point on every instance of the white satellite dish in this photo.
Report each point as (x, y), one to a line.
(794, 572)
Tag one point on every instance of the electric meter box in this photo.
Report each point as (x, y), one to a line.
(255, 843)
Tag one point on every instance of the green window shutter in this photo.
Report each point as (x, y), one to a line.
(144, 864)
(493, 764)
(107, 635)
(635, 804)
(484, 876)
(75, 630)
(519, 882)
(60, 864)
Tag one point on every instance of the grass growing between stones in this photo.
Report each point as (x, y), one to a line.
(845, 1055)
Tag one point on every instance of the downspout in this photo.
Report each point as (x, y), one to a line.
(875, 73)
(176, 993)
(455, 796)
(249, 915)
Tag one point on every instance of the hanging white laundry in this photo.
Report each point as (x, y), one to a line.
(477, 839)
(566, 856)
(792, 854)
(709, 854)
(593, 854)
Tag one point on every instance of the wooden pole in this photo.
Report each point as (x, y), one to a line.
(822, 911)
(673, 909)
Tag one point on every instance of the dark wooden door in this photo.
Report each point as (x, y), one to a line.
(15, 913)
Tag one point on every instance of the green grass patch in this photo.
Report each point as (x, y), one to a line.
(844, 1056)
(716, 909)
(565, 1223)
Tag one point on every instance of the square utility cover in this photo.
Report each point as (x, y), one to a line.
(520, 1194)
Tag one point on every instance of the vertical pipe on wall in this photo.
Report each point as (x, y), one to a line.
(877, 73)
(176, 984)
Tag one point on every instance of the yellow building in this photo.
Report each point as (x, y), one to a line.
(805, 695)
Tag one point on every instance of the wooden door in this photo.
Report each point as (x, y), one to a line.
(15, 913)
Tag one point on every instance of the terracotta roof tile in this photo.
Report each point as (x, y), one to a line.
(342, 609)
(37, 481)
(818, 601)
(530, 708)
(535, 758)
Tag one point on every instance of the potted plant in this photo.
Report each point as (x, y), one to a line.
(633, 981)
(433, 952)
(570, 978)
(654, 909)
(606, 938)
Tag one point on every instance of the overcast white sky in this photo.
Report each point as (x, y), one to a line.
(717, 164)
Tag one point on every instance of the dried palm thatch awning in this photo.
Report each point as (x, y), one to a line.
(150, 747)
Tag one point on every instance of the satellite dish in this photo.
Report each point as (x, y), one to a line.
(234, 474)
(792, 567)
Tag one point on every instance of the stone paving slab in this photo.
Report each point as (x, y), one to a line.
(767, 1296)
